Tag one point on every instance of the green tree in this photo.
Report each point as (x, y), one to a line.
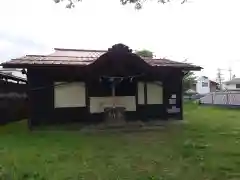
(145, 53)
(138, 3)
(189, 81)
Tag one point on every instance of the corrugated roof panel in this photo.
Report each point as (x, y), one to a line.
(82, 57)
(77, 53)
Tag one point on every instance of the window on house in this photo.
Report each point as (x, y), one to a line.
(237, 85)
(204, 84)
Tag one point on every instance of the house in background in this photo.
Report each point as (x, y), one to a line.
(204, 85)
(232, 85)
(82, 85)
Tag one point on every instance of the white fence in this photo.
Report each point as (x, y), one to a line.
(222, 98)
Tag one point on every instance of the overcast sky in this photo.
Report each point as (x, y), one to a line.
(206, 32)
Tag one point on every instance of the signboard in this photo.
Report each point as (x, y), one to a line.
(174, 109)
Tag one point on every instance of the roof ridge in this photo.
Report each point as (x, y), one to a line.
(82, 50)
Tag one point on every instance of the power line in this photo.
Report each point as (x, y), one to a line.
(230, 72)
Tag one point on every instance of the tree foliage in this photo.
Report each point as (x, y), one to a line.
(189, 81)
(138, 3)
(145, 53)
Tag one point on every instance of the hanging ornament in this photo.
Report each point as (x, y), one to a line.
(131, 80)
(111, 79)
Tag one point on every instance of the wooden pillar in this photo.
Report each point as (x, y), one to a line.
(165, 98)
(30, 102)
(145, 109)
(87, 96)
(145, 93)
(181, 98)
(136, 96)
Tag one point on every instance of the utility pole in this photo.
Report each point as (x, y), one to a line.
(230, 73)
(219, 77)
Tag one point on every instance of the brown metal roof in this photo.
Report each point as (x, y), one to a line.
(80, 57)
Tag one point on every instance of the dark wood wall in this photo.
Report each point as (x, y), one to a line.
(41, 95)
(13, 102)
(173, 85)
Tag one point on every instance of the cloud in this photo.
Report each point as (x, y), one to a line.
(13, 45)
(19, 40)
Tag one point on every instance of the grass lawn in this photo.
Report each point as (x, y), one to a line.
(205, 146)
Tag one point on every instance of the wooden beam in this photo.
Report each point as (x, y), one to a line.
(145, 93)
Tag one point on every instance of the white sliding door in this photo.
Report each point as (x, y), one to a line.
(69, 94)
(154, 93)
